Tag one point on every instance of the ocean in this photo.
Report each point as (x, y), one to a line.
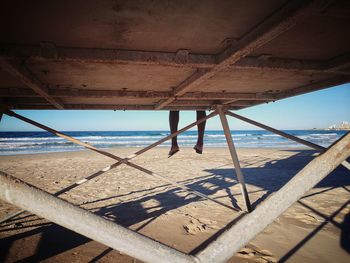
(12, 143)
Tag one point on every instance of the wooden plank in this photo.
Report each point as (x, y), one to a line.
(30, 80)
(277, 23)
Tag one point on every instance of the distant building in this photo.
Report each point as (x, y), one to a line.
(342, 126)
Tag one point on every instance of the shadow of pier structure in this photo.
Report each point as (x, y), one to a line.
(270, 177)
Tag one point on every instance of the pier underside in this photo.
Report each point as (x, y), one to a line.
(154, 55)
(170, 55)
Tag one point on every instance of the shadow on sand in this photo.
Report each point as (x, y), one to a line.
(270, 177)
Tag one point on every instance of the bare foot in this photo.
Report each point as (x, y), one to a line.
(173, 150)
(198, 149)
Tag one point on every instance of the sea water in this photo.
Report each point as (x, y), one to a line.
(12, 143)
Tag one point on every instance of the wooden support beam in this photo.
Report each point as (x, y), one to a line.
(26, 77)
(224, 247)
(277, 23)
(235, 159)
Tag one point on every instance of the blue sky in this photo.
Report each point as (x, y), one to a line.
(313, 110)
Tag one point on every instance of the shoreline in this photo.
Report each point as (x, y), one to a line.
(43, 142)
(301, 148)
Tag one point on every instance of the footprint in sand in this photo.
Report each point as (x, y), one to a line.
(256, 255)
(196, 226)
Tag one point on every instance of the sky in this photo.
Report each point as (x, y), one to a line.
(318, 109)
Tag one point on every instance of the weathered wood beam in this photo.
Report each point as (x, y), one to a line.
(274, 25)
(48, 51)
(26, 77)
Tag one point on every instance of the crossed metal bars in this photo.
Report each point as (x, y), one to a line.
(132, 156)
(113, 235)
(222, 113)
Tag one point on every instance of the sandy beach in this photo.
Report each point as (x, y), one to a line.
(315, 229)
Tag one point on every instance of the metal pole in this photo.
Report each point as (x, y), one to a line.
(125, 161)
(86, 223)
(234, 157)
(283, 134)
(252, 224)
(130, 157)
(68, 188)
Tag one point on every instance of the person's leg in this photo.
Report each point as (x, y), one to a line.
(173, 121)
(201, 129)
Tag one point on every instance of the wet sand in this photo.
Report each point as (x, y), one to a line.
(315, 229)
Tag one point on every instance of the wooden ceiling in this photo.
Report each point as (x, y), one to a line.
(163, 55)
